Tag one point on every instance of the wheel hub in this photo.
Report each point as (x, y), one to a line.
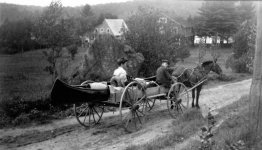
(135, 107)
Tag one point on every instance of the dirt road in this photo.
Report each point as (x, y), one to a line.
(67, 134)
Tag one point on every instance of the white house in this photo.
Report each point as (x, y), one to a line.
(115, 27)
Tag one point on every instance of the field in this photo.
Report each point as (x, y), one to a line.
(23, 75)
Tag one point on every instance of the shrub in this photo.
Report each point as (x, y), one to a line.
(21, 119)
(241, 60)
(72, 50)
(224, 77)
(15, 106)
(7, 50)
(101, 63)
(16, 111)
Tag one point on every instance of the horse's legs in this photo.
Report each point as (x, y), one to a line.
(197, 94)
(193, 96)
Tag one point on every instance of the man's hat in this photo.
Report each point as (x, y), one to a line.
(121, 60)
(165, 60)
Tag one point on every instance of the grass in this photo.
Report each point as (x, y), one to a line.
(22, 79)
(23, 75)
(234, 131)
(183, 127)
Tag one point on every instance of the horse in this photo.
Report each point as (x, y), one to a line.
(190, 77)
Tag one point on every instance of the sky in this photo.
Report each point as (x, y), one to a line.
(72, 3)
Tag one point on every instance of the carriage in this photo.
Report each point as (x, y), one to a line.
(133, 101)
(90, 99)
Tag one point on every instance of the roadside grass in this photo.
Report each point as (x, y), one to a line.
(234, 131)
(18, 112)
(183, 127)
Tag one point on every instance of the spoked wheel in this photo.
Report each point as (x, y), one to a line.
(132, 97)
(177, 99)
(88, 114)
(150, 102)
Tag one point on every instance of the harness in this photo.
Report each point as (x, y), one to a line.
(197, 77)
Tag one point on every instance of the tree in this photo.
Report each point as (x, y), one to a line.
(86, 22)
(246, 11)
(155, 40)
(16, 35)
(256, 88)
(86, 11)
(243, 48)
(53, 31)
(218, 18)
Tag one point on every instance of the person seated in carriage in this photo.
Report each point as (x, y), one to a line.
(120, 75)
(163, 77)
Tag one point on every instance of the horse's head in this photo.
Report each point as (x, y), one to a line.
(212, 66)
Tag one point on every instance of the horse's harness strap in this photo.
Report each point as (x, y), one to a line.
(205, 76)
(182, 72)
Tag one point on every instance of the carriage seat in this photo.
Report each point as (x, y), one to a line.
(98, 86)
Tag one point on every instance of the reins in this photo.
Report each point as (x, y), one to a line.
(202, 79)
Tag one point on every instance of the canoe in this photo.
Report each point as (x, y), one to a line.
(63, 93)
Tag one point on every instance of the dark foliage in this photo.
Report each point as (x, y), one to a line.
(244, 48)
(155, 40)
(16, 37)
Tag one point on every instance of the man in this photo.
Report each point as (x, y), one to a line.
(120, 75)
(163, 77)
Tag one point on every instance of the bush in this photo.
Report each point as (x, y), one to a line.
(242, 64)
(15, 106)
(72, 50)
(7, 50)
(21, 119)
(16, 111)
(241, 60)
(224, 77)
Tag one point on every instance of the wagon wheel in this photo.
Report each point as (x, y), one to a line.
(150, 103)
(88, 114)
(132, 97)
(177, 99)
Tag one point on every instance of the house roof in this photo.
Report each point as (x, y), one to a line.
(116, 25)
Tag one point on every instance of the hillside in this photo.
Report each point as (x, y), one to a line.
(13, 12)
(182, 9)
(123, 10)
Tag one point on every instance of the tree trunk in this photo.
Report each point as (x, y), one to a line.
(193, 40)
(256, 87)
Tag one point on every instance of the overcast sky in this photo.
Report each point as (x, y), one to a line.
(64, 2)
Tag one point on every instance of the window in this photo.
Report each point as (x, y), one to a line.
(162, 20)
(101, 30)
(176, 30)
(108, 30)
